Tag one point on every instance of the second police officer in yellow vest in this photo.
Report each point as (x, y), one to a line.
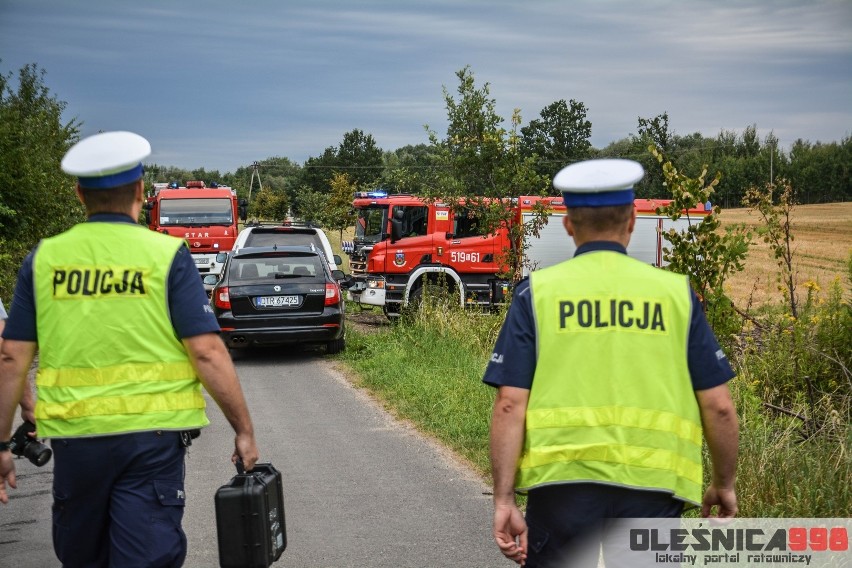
(607, 374)
(126, 340)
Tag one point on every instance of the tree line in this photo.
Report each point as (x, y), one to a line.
(477, 150)
(479, 155)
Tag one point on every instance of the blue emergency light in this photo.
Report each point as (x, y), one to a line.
(370, 194)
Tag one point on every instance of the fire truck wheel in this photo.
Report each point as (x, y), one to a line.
(335, 346)
(415, 299)
(435, 291)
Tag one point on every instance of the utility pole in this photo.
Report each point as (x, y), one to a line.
(255, 171)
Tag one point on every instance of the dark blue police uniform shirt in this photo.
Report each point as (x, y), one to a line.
(514, 358)
(189, 307)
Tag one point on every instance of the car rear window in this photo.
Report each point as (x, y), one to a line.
(260, 238)
(263, 268)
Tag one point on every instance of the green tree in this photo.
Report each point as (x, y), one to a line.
(310, 206)
(821, 173)
(37, 199)
(776, 209)
(475, 144)
(480, 168)
(623, 148)
(746, 162)
(339, 213)
(654, 132)
(406, 169)
(317, 171)
(560, 137)
(360, 158)
(269, 204)
(412, 156)
(357, 155)
(699, 251)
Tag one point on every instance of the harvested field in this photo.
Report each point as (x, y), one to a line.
(821, 248)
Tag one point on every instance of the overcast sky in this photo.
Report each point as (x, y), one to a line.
(219, 84)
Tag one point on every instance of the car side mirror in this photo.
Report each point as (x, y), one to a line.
(338, 275)
(210, 279)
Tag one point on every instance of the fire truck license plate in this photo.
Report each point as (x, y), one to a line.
(276, 301)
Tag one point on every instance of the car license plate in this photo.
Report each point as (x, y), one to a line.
(276, 301)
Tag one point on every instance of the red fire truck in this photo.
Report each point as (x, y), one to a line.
(206, 217)
(403, 242)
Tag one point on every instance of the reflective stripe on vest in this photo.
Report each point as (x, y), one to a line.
(612, 400)
(109, 361)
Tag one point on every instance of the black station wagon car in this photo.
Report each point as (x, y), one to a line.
(277, 295)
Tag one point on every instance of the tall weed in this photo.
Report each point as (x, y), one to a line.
(804, 359)
(784, 470)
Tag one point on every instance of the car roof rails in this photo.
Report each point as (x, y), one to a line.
(306, 224)
(250, 252)
(297, 224)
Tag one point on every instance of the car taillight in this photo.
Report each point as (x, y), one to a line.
(332, 294)
(222, 300)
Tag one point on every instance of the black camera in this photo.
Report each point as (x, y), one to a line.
(22, 445)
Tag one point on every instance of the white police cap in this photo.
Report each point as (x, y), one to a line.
(108, 159)
(598, 183)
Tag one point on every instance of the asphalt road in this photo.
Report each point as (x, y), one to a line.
(360, 488)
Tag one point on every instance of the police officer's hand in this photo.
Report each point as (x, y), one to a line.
(510, 532)
(28, 415)
(724, 498)
(245, 449)
(7, 475)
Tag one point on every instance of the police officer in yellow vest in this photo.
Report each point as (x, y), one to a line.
(126, 339)
(607, 374)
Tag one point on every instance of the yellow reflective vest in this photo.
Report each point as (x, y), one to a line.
(109, 360)
(612, 400)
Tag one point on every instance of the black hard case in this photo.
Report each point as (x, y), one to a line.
(250, 519)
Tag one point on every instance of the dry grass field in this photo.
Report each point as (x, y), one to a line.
(821, 248)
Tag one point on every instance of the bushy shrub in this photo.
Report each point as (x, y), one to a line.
(805, 359)
(785, 470)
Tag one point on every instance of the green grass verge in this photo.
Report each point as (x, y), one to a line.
(431, 379)
(428, 370)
